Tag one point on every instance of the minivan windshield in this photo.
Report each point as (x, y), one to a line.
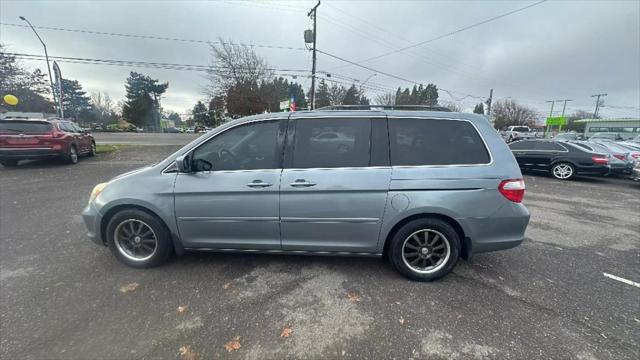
(25, 127)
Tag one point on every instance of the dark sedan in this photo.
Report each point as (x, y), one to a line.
(562, 160)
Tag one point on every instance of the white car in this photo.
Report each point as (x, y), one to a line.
(190, 130)
(514, 133)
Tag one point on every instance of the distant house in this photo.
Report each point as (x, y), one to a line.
(627, 128)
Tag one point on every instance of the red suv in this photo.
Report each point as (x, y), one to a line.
(22, 139)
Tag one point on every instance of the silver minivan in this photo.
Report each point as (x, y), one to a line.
(423, 188)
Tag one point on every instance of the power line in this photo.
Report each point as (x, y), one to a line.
(152, 37)
(449, 92)
(454, 32)
(160, 65)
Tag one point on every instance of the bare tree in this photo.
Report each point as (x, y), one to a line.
(336, 94)
(103, 106)
(508, 112)
(452, 106)
(233, 65)
(388, 98)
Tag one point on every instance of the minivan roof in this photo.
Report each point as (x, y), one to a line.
(359, 113)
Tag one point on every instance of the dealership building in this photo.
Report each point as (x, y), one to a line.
(627, 128)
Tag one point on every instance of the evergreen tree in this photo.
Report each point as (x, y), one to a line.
(75, 101)
(429, 95)
(322, 95)
(31, 88)
(200, 115)
(142, 104)
(351, 96)
(479, 109)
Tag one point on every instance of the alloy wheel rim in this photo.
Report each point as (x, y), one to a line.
(426, 251)
(135, 240)
(74, 154)
(562, 171)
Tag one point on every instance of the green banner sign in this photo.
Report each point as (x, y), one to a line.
(556, 121)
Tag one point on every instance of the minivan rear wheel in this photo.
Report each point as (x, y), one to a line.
(425, 249)
(138, 238)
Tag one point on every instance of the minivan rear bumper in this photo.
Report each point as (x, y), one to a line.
(505, 229)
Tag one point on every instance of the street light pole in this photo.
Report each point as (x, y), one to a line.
(46, 56)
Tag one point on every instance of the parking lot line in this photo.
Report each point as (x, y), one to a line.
(628, 282)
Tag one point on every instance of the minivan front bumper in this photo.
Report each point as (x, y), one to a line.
(92, 219)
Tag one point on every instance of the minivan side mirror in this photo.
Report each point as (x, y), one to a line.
(183, 163)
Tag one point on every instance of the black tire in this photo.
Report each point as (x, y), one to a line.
(433, 227)
(92, 149)
(72, 156)
(163, 244)
(9, 163)
(563, 171)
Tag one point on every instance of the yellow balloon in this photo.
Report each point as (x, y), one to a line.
(10, 99)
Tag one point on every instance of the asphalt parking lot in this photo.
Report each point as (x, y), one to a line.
(61, 296)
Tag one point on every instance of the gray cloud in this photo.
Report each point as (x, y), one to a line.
(554, 50)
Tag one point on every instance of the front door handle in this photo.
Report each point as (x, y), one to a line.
(302, 183)
(258, 184)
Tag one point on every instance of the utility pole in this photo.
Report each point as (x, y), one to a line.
(597, 96)
(313, 14)
(564, 107)
(489, 103)
(546, 129)
(46, 56)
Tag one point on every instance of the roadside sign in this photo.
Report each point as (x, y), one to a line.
(284, 105)
(57, 80)
(556, 121)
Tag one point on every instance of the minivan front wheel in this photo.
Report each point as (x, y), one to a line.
(138, 238)
(425, 249)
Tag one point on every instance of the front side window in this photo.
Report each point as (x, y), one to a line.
(246, 147)
(435, 142)
(331, 143)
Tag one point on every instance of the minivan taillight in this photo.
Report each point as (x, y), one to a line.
(512, 189)
(600, 160)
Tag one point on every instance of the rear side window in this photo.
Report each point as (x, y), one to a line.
(549, 146)
(435, 142)
(24, 127)
(331, 143)
(522, 145)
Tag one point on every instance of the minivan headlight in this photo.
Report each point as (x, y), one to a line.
(96, 191)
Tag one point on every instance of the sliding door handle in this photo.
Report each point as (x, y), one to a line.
(258, 184)
(302, 183)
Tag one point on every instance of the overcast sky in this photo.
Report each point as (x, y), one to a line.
(554, 50)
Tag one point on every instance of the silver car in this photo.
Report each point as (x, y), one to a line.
(423, 188)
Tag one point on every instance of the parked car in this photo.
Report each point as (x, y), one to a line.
(259, 185)
(568, 136)
(200, 129)
(171, 130)
(636, 172)
(514, 133)
(190, 130)
(618, 164)
(40, 139)
(561, 159)
(622, 151)
(606, 136)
